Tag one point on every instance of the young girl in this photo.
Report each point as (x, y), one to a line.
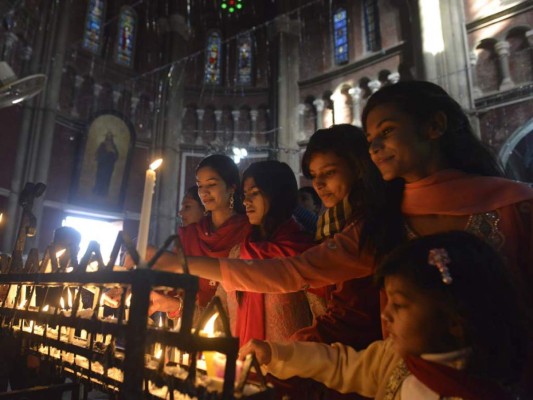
(270, 196)
(448, 336)
(191, 210)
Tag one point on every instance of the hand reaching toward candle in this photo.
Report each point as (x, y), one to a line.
(165, 303)
(259, 348)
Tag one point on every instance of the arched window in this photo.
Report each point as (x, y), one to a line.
(213, 57)
(340, 36)
(371, 16)
(127, 27)
(92, 36)
(244, 59)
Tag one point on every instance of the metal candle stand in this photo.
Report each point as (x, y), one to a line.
(91, 363)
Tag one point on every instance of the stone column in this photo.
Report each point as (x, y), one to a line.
(253, 116)
(78, 81)
(285, 37)
(355, 92)
(218, 126)
(199, 126)
(319, 105)
(169, 124)
(301, 120)
(502, 49)
(374, 85)
(235, 114)
(97, 89)
(394, 77)
(46, 133)
(476, 91)
(445, 48)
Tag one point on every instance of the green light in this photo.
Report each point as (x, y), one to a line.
(239, 6)
(231, 9)
(224, 6)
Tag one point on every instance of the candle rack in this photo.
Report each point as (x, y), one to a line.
(116, 354)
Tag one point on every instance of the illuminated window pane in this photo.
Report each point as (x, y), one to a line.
(92, 36)
(213, 59)
(126, 37)
(372, 34)
(244, 60)
(340, 36)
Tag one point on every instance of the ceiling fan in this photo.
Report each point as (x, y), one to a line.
(13, 90)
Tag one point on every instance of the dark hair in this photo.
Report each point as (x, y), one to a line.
(314, 195)
(422, 100)
(67, 236)
(229, 172)
(481, 295)
(373, 200)
(192, 192)
(277, 182)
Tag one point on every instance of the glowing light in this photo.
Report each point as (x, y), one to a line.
(62, 303)
(239, 154)
(156, 164)
(22, 304)
(69, 298)
(433, 42)
(1, 217)
(160, 321)
(158, 354)
(46, 307)
(128, 300)
(209, 327)
(60, 253)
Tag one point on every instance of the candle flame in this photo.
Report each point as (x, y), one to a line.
(22, 304)
(158, 353)
(209, 328)
(62, 303)
(156, 164)
(160, 321)
(69, 298)
(60, 253)
(102, 299)
(128, 300)
(1, 217)
(46, 307)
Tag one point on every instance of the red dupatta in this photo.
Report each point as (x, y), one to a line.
(288, 240)
(199, 240)
(453, 192)
(450, 382)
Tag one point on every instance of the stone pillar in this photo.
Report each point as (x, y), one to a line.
(374, 85)
(218, 127)
(253, 116)
(355, 92)
(285, 34)
(445, 48)
(476, 91)
(47, 130)
(78, 81)
(97, 89)
(301, 120)
(319, 105)
(394, 77)
(169, 124)
(199, 126)
(235, 114)
(529, 36)
(502, 48)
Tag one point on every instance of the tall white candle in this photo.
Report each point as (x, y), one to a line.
(146, 209)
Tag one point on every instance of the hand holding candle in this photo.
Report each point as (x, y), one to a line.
(146, 209)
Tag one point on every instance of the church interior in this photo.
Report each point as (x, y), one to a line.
(93, 91)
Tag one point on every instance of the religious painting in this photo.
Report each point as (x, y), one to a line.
(103, 164)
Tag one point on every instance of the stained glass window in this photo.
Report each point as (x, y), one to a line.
(244, 59)
(213, 56)
(340, 35)
(372, 34)
(92, 36)
(126, 36)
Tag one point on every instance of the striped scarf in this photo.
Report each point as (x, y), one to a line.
(333, 219)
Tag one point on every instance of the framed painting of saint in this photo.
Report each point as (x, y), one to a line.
(103, 163)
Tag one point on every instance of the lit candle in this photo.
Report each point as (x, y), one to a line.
(128, 303)
(209, 356)
(146, 209)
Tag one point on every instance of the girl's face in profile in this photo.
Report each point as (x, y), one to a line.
(398, 146)
(212, 189)
(191, 211)
(255, 202)
(414, 320)
(331, 177)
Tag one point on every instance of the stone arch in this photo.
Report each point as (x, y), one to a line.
(520, 54)
(487, 66)
(343, 111)
(516, 153)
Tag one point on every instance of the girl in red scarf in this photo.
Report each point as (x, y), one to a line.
(270, 196)
(448, 338)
